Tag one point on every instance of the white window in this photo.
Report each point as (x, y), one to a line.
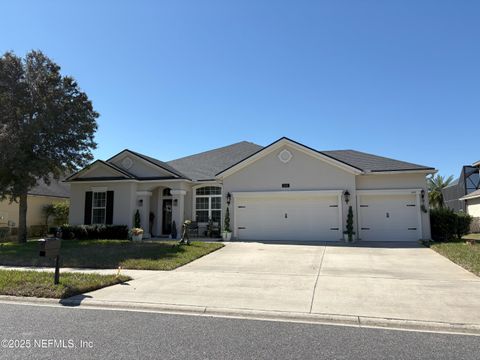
(208, 204)
(99, 207)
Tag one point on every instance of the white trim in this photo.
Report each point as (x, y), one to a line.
(294, 193)
(465, 198)
(283, 143)
(99, 189)
(178, 192)
(389, 192)
(425, 171)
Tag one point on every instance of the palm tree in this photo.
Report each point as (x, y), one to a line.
(435, 186)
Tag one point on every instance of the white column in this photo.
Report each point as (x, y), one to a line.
(143, 206)
(178, 209)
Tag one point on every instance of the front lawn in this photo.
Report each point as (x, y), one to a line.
(40, 284)
(109, 254)
(465, 255)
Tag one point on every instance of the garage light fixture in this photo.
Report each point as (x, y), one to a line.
(346, 195)
(229, 198)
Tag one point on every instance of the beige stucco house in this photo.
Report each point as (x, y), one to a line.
(284, 191)
(38, 197)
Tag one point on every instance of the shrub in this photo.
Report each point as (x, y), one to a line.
(37, 230)
(447, 225)
(92, 232)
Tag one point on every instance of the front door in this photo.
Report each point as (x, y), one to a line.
(167, 217)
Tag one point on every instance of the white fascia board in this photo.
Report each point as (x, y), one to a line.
(426, 171)
(278, 145)
(389, 192)
(465, 198)
(284, 194)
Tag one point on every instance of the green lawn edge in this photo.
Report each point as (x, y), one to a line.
(110, 254)
(461, 253)
(40, 283)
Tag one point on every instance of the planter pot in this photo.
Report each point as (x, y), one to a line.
(226, 236)
(137, 237)
(345, 237)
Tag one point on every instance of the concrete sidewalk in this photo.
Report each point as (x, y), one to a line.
(378, 284)
(397, 283)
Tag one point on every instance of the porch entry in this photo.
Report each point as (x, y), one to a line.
(167, 217)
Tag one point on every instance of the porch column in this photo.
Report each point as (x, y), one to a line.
(178, 209)
(143, 206)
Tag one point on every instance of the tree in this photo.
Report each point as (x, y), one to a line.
(47, 125)
(435, 186)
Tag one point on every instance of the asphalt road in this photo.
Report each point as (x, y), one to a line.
(73, 333)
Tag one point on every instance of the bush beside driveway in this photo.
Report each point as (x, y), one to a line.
(109, 254)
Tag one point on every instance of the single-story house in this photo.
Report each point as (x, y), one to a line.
(38, 197)
(283, 191)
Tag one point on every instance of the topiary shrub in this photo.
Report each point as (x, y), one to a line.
(447, 224)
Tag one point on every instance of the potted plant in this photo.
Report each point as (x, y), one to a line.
(136, 234)
(137, 231)
(227, 232)
(349, 234)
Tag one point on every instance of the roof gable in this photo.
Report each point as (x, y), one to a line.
(100, 170)
(282, 142)
(143, 166)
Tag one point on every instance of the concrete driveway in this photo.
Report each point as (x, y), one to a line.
(378, 280)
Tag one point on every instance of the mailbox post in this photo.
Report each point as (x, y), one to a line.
(50, 248)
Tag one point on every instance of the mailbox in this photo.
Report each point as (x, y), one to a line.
(50, 247)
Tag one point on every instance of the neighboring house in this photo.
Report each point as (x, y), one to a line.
(467, 182)
(472, 206)
(284, 191)
(38, 197)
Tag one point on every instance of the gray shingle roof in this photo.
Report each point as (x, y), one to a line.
(472, 195)
(56, 189)
(206, 165)
(369, 162)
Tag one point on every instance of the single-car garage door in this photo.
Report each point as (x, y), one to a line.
(388, 217)
(291, 216)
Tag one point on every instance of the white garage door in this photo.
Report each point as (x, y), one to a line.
(388, 218)
(288, 217)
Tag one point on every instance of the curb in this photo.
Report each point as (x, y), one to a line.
(311, 318)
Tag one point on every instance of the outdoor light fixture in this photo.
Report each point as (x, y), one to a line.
(229, 198)
(140, 202)
(422, 194)
(346, 195)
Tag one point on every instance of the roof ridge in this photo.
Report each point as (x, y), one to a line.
(216, 149)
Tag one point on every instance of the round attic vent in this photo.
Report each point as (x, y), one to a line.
(127, 163)
(285, 156)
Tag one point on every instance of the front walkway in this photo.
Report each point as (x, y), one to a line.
(394, 282)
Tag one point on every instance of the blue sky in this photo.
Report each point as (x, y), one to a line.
(171, 78)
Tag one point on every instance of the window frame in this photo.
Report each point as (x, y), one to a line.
(104, 207)
(209, 208)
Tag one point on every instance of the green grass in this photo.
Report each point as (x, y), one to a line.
(465, 255)
(109, 254)
(40, 284)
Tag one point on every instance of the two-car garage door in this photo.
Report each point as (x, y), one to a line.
(294, 216)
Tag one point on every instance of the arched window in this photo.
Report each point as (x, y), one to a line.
(208, 204)
(167, 192)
